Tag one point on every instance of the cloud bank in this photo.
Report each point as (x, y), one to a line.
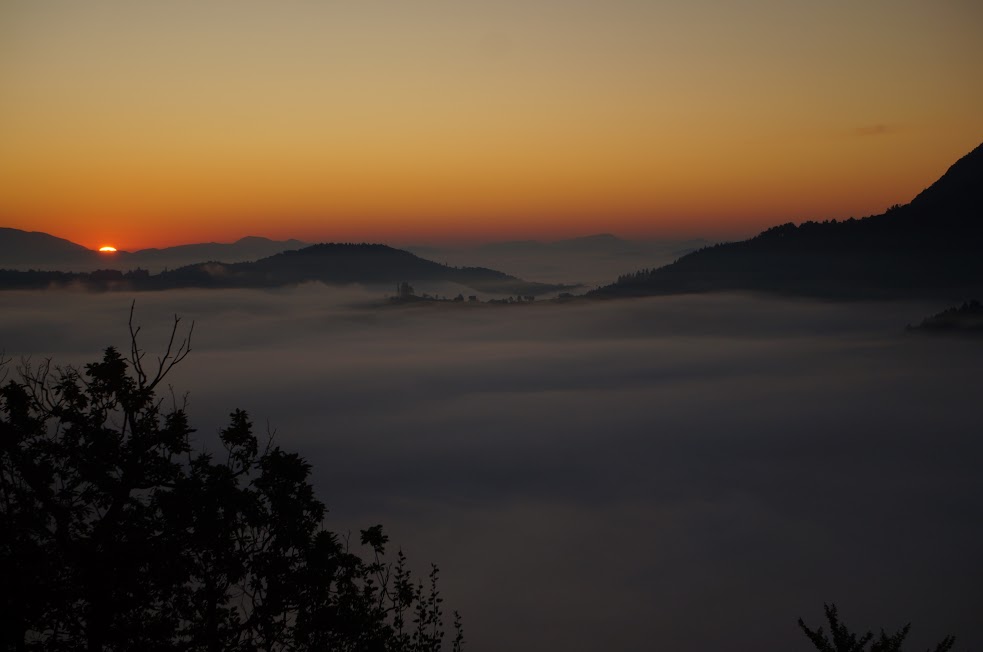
(685, 473)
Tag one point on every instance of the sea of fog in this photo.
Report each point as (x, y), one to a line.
(688, 473)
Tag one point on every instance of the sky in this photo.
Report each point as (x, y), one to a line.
(684, 473)
(146, 124)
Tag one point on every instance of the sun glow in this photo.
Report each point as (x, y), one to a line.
(107, 249)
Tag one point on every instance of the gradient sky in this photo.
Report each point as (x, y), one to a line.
(155, 123)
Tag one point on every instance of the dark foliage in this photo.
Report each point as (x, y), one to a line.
(116, 534)
(967, 318)
(841, 639)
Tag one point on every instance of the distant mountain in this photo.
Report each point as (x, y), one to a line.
(932, 246)
(29, 249)
(599, 244)
(244, 249)
(329, 263)
(349, 263)
(21, 248)
(590, 260)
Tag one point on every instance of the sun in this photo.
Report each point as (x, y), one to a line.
(107, 249)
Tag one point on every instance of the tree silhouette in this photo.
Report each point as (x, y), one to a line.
(841, 639)
(116, 534)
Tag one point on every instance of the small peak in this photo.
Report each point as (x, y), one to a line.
(252, 239)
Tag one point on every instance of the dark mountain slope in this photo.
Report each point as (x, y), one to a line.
(932, 246)
(19, 248)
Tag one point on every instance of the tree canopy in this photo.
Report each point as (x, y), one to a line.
(841, 639)
(118, 532)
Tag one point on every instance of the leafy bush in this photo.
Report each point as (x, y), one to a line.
(116, 534)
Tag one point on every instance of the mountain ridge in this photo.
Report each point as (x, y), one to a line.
(932, 246)
(21, 247)
(36, 249)
(331, 263)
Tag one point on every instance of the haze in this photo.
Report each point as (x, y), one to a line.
(689, 473)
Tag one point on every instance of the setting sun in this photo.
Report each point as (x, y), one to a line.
(107, 249)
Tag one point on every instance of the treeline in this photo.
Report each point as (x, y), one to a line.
(967, 317)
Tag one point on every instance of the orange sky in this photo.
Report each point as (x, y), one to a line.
(145, 124)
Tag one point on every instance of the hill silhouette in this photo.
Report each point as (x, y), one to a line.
(244, 249)
(35, 250)
(332, 263)
(932, 246)
(346, 263)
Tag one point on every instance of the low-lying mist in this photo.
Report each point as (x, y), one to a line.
(685, 473)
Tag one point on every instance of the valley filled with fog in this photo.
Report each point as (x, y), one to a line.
(682, 473)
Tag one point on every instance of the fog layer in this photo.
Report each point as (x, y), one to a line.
(686, 473)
